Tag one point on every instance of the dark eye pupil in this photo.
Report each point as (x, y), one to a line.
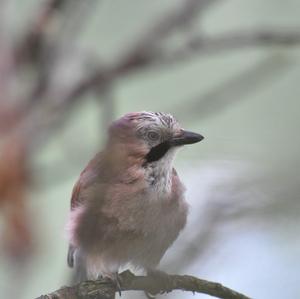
(153, 135)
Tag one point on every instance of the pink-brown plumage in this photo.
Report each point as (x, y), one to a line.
(128, 205)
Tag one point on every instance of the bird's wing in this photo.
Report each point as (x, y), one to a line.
(88, 176)
(76, 200)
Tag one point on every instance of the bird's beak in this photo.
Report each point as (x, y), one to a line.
(186, 138)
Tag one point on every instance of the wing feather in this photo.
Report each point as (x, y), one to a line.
(76, 200)
(88, 176)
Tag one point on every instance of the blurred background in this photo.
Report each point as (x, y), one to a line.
(228, 69)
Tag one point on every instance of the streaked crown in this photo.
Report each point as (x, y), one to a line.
(155, 133)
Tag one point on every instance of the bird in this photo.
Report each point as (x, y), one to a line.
(128, 205)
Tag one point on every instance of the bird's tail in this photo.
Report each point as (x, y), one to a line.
(76, 261)
(79, 273)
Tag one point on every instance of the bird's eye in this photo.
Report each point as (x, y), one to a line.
(153, 135)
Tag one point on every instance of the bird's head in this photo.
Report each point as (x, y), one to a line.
(153, 136)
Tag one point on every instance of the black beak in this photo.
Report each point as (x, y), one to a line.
(186, 138)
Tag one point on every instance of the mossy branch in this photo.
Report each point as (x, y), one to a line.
(105, 288)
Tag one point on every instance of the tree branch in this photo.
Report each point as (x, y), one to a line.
(205, 44)
(197, 45)
(104, 288)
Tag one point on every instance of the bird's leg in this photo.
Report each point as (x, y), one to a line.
(117, 281)
(161, 276)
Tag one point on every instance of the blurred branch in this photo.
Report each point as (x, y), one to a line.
(205, 44)
(234, 90)
(29, 50)
(108, 106)
(104, 288)
(144, 53)
(141, 54)
(175, 20)
(198, 45)
(48, 42)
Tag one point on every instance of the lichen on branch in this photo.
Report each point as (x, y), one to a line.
(105, 288)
